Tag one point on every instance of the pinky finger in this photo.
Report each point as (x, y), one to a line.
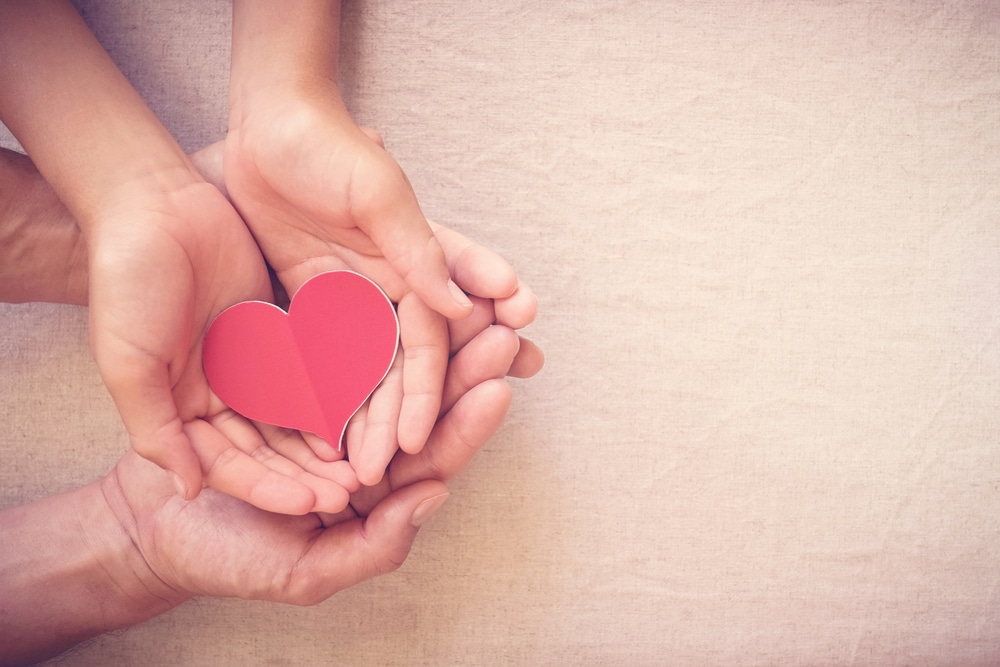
(517, 310)
(528, 361)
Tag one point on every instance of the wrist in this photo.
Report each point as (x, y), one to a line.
(290, 44)
(287, 104)
(70, 572)
(127, 590)
(142, 592)
(154, 188)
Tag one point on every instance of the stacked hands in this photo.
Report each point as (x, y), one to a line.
(208, 502)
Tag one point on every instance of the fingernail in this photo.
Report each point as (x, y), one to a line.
(179, 484)
(458, 295)
(426, 509)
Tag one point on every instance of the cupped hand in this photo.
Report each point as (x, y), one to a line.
(321, 193)
(162, 263)
(313, 187)
(216, 545)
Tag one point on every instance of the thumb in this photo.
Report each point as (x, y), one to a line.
(393, 220)
(354, 551)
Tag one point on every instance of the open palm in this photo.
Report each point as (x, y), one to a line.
(160, 269)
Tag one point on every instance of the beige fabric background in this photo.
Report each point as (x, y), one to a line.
(765, 238)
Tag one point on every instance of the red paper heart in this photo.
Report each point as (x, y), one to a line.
(312, 368)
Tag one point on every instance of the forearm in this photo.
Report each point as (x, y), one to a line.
(69, 572)
(42, 253)
(86, 129)
(282, 43)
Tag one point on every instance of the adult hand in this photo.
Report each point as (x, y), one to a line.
(216, 545)
(131, 546)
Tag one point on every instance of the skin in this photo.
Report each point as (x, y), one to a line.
(167, 252)
(321, 193)
(37, 226)
(43, 256)
(130, 227)
(131, 547)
